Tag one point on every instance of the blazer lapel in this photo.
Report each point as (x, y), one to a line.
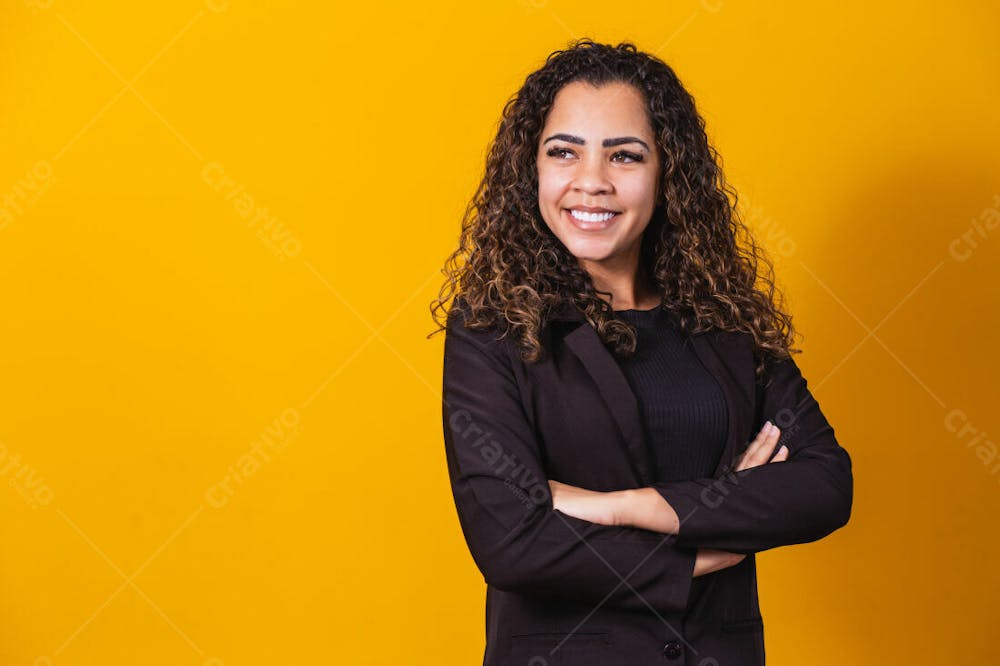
(733, 370)
(719, 356)
(617, 394)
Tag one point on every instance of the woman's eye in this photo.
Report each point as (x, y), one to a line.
(632, 156)
(557, 152)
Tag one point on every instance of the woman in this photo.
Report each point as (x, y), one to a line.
(617, 378)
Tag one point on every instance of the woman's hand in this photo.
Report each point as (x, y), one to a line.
(592, 505)
(709, 560)
(758, 452)
(613, 508)
(599, 507)
(761, 447)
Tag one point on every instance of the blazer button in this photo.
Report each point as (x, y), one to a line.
(672, 650)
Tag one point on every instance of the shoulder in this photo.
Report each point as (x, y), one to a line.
(491, 339)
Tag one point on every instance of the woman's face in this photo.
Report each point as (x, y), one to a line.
(598, 172)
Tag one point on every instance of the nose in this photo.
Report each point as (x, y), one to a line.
(591, 176)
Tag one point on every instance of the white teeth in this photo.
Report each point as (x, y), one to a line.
(591, 217)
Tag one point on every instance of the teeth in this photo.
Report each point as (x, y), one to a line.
(591, 217)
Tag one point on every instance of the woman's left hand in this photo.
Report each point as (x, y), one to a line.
(591, 505)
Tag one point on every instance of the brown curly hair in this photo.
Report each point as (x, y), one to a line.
(697, 252)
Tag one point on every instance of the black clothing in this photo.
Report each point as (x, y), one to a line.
(682, 407)
(573, 592)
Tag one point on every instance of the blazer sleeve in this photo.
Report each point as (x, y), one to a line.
(518, 540)
(799, 500)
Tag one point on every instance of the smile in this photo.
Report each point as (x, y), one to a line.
(591, 221)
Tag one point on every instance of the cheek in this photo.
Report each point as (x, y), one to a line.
(549, 189)
(639, 194)
(550, 183)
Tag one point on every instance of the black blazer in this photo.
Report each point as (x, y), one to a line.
(561, 590)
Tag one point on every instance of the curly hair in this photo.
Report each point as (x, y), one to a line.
(702, 259)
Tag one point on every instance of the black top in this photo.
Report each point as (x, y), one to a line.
(682, 406)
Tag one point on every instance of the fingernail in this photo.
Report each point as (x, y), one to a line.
(768, 426)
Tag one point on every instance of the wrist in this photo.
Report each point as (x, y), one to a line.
(624, 502)
(648, 509)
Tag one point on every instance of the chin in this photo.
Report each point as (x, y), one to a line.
(588, 252)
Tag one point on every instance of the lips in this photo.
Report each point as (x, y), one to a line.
(594, 219)
(593, 209)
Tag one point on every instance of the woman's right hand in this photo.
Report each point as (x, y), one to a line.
(757, 453)
(709, 559)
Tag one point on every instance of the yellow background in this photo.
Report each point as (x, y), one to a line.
(221, 225)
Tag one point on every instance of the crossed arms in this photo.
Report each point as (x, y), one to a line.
(522, 542)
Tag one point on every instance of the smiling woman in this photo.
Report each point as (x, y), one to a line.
(624, 425)
(598, 186)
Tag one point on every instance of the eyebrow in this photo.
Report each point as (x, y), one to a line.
(607, 143)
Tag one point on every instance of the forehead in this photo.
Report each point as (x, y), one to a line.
(611, 108)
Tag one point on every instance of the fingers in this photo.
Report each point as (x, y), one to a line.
(761, 448)
(709, 560)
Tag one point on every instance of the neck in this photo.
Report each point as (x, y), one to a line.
(629, 288)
